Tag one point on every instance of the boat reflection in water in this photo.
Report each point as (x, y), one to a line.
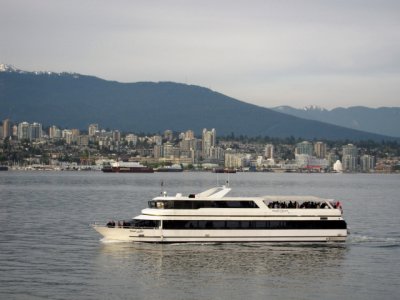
(186, 270)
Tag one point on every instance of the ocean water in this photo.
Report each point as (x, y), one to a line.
(48, 250)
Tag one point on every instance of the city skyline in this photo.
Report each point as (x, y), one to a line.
(61, 146)
(296, 53)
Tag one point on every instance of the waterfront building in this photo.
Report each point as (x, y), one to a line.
(308, 162)
(349, 163)
(216, 154)
(320, 150)
(158, 151)
(93, 128)
(304, 147)
(332, 158)
(168, 150)
(367, 163)
(349, 158)
(337, 166)
(234, 160)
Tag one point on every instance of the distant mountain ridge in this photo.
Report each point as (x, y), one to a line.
(73, 100)
(382, 120)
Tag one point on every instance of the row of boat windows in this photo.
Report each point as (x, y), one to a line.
(134, 224)
(187, 204)
(295, 204)
(213, 224)
(194, 224)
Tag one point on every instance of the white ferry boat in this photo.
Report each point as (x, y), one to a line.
(211, 216)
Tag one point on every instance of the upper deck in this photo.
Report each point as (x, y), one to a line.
(214, 202)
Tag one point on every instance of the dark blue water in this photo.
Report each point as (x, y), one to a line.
(48, 251)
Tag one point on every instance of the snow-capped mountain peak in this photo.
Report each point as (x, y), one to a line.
(8, 68)
(313, 108)
(12, 69)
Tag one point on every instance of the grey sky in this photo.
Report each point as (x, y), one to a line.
(270, 53)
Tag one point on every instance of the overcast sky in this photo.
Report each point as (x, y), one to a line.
(270, 53)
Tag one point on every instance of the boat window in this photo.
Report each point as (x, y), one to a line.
(144, 223)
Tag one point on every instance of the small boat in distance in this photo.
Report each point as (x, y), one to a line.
(210, 216)
(126, 167)
(3, 168)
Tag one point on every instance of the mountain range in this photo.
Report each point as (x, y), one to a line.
(71, 100)
(382, 120)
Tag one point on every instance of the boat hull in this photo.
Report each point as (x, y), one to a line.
(156, 235)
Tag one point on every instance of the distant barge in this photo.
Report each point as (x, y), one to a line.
(126, 167)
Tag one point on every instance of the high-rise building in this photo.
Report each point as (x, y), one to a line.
(269, 151)
(234, 160)
(131, 138)
(15, 131)
(350, 149)
(320, 149)
(75, 132)
(93, 128)
(54, 132)
(158, 151)
(35, 131)
(304, 148)
(23, 131)
(367, 163)
(189, 135)
(83, 140)
(209, 140)
(157, 139)
(7, 128)
(67, 136)
(349, 163)
(168, 135)
(349, 158)
(116, 135)
(168, 150)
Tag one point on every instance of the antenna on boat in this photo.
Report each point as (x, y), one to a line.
(162, 186)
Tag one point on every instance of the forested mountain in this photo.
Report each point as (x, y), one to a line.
(74, 101)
